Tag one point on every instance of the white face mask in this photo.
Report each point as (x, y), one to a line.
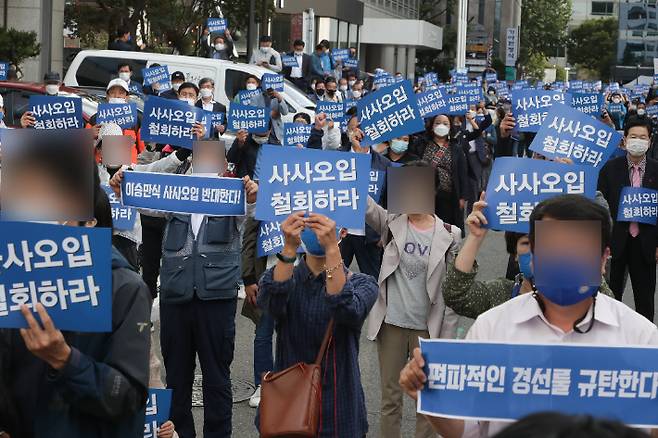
(185, 99)
(351, 83)
(343, 88)
(175, 86)
(356, 94)
(251, 86)
(641, 112)
(616, 100)
(260, 140)
(264, 50)
(52, 89)
(205, 92)
(124, 75)
(637, 146)
(219, 47)
(441, 130)
(116, 100)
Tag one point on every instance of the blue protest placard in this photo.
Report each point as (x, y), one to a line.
(495, 381)
(4, 69)
(652, 110)
(170, 121)
(272, 81)
(123, 114)
(245, 96)
(588, 103)
(56, 112)
(389, 112)
(637, 204)
(159, 75)
(431, 103)
(334, 110)
(213, 196)
(382, 79)
(340, 54)
(431, 79)
(351, 63)
(250, 118)
(216, 119)
(473, 93)
(315, 181)
(348, 104)
(135, 89)
(296, 133)
(67, 269)
(376, 184)
(575, 85)
(289, 61)
(491, 77)
(217, 25)
(569, 133)
(457, 104)
(270, 239)
(158, 407)
(530, 107)
(502, 90)
(615, 108)
(123, 218)
(516, 185)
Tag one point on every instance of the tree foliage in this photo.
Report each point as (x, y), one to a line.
(543, 28)
(16, 46)
(593, 45)
(534, 67)
(163, 24)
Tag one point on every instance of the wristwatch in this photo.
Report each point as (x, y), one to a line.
(285, 259)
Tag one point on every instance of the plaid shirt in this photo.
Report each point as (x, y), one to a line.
(642, 165)
(302, 308)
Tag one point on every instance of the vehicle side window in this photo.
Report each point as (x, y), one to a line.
(19, 104)
(234, 82)
(6, 96)
(97, 71)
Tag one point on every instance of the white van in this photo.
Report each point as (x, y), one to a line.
(95, 68)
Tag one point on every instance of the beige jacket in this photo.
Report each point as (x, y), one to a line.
(441, 321)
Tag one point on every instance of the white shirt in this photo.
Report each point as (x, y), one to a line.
(296, 72)
(520, 320)
(208, 106)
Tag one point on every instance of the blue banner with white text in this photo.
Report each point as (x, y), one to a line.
(217, 25)
(272, 81)
(506, 382)
(530, 107)
(123, 218)
(157, 75)
(158, 407)
(334, 110)
(250, 118)
(432, 103)
(295, 134)
(516, 185)
(186, 194)
(56, 112)
(169, 121)
(588, 103)
(638, 204)
(123, 114)
(66, 269)
(330, 183)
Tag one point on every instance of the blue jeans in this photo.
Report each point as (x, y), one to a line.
(263, 361)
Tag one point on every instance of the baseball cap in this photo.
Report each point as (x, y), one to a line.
(177, 75)
(118, 82)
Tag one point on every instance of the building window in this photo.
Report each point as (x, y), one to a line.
(603, 8)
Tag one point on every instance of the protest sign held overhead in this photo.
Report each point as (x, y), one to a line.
(340, 54)
(388, 113)
(431, 103)
(246, 96)
(638, 204)
(158, 408)
(250, 118)
(516, 185)
(171, 121)
(588, 103)
(335, 111)
(123, 114)
(569, 133)
(217, 25)
(296, 134)
(67, 269)
(272, 81)
(56, 112)
(157, 75)
(505, 382)
(315, 181)
(530, 107)
(213, 196)
(351, 63)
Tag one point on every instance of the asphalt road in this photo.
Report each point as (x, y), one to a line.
(492, 261)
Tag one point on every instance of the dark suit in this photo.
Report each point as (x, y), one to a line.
(638, 254)
(170, 94)
(216, 108)
(303, 82)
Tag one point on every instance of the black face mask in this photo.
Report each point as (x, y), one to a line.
(331, 92)
(319, 92)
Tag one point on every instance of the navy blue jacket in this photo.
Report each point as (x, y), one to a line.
(101, 391)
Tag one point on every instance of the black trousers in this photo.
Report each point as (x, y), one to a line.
(128, 249)
(368, 254)
(151, 250)
(642, 273)
(206, 328)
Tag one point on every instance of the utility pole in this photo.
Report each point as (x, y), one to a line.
(251, 30)
(462, 19)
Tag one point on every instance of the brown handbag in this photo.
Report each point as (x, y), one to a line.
(291, 400)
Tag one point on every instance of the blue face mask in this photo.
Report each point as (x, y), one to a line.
(565, 281)
(311, 245)
(524, 265)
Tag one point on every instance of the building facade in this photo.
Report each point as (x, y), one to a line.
(46, 18)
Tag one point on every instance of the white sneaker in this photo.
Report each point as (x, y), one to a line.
(254, 400)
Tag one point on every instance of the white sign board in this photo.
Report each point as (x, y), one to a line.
(512, 47)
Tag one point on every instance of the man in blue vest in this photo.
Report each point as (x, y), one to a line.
(198, 297)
